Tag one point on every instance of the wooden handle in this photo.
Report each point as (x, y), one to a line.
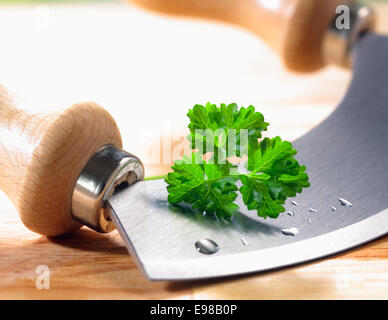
(41, 157)
(294, 28)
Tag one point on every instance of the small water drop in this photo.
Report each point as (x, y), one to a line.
(295, 203)
(206, 246)
(333, 208)
(244, 241)
(313, 210)
(344, 202)
(290, 231)
(290, 213)
(309, 220)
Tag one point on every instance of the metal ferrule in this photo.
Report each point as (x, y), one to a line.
(338, 42)
(108, 168)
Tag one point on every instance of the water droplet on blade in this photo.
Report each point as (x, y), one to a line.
(309, 220)
(244, 241)
(333, 208)
(206, 246)
(290, 213)
(295, 203)
(313, 210)
(344, 202)
(290, 231)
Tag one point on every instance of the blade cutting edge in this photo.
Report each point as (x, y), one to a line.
(179, 268)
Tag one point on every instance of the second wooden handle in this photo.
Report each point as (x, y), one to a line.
(294, 28)
(41, 157)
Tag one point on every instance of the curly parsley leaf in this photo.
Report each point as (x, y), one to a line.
(207, 187)
(257, 196)
(224, 127)
(269, 156)
(273, 174)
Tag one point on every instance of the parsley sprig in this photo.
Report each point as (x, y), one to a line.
(271, 172)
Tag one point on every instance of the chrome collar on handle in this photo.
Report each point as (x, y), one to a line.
(107, 169)
(342, 34)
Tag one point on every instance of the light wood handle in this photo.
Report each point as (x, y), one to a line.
(294, 28)
(41, 157)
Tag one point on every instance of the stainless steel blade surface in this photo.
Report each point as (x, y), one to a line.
(346, 157)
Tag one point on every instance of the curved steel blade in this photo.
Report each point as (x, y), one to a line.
(346, 157)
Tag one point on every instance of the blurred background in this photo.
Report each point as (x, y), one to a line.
(148, 69)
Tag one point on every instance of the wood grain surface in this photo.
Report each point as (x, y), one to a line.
(88, 265)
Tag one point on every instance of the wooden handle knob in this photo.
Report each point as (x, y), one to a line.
(294, 28)
(41, 157)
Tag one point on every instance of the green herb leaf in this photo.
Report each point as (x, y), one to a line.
(275, 176)
(273, 172)
(261, 196)
(212, 126)
(207, 187)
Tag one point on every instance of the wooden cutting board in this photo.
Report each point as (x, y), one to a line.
(87, 265)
